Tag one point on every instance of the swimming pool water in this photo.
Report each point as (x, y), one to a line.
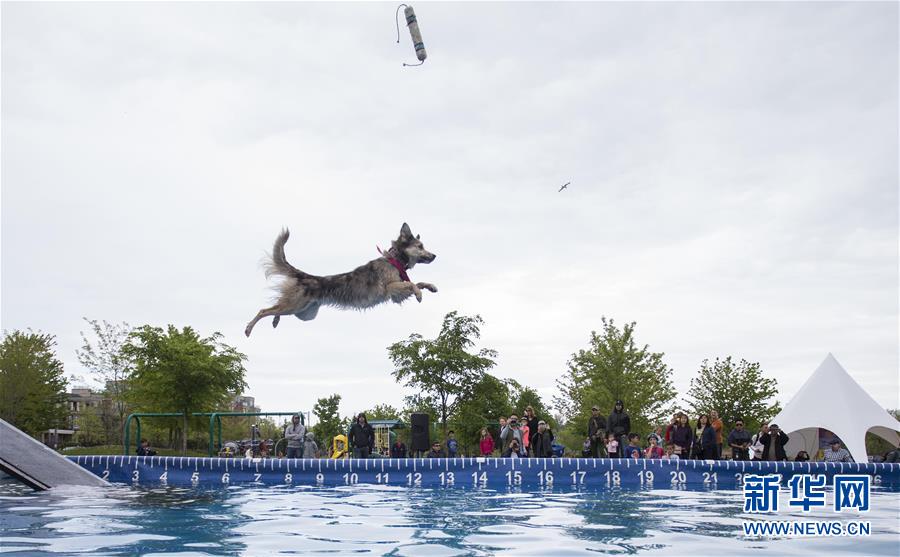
(380, 520)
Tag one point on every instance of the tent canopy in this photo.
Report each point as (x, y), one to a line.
(831, 399)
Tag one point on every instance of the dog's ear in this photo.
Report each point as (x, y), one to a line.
(405, 232)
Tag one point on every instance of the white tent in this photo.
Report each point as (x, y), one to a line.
(831, 399)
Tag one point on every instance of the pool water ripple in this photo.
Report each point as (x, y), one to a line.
(374, 520)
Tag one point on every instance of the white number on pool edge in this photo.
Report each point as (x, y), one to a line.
(678, 477)
(256, 477)
(545, 477)
(514, 477)
(646, 477)
(195, 477)
(578, 477)
(710, 478)
(288, 478)
(226, 478)
(105, 474)
(613, 477)
(447, 478)
(414, 478)
(382, 478)
(320, 478)
(351, 479)
(164, 477)
(479, 478)
(135, 476)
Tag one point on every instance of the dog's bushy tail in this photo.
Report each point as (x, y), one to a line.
(278, 264)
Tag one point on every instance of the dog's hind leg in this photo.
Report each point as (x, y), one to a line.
(309, 312)
(277, 310)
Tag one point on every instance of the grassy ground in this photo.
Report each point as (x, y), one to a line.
(117, 450)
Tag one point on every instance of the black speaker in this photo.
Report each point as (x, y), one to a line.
(420, 437)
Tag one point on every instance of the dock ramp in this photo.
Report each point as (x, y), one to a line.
(37, 465)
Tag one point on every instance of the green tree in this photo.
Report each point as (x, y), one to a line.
(443, 367)
(328, 421)
(91, 430)
(382, 412)
(524, 396)
(107, 362)
(32, 385)
(615, 368)
(482, 405)
(178, 371)
(735, 391)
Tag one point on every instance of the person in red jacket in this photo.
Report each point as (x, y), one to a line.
(487, 442)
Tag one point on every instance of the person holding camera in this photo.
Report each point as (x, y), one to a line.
(596, 432)
(514, 450)
(511, 431)
(144, 449)
(773, 443)
(739, 441)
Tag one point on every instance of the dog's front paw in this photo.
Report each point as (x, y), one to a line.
(427, 286)
(417, 293)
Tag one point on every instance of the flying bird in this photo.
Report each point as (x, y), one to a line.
(564, 186)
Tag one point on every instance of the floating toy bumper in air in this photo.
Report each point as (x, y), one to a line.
(413, 32)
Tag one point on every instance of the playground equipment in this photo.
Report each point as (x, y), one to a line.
(215, 425)
(385, 435)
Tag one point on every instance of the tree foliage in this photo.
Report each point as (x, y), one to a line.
(382, 412)
(32, 385)
(524, 396)
(178, 371)
(105, 359)
(736, 391)
(615, 368)
(328, 421)
(482, 405)
(443, 367)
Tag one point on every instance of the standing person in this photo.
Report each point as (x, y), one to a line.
(532, 421)
(612, 446)
(295, 434)
(310, 448)
(596, 432)
(619, 423)
(362, 436)
(542, 442)
(682, 438)
(526, 436)
(802, 456)
(835, 453)
(487, 442)
(705, 442)
(452, 444)
(717, 425)
(633, 449)
(658, 435)
(756, 446)
(739, 441)
(672, 423)
(670, 452)
(398, 449)
(510, 432)
(773, 444)
(654, 450)
(436, 451)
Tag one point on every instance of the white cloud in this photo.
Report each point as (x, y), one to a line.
(733, 167)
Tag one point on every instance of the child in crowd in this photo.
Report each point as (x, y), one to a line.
(653, 449)
(633, 449)
(612, 446)
(670, 452)
(586, 448)
(487, 442)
